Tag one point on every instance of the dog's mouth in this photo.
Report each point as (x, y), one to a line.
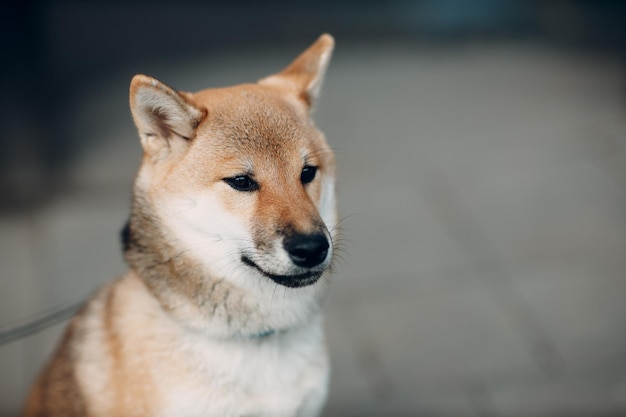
(291, 281)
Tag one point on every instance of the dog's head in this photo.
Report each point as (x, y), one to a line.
(240, 178)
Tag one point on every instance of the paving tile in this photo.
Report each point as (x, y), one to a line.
(12, 385)
(361, 387)
(436, 405)
(443, 339)
(570, 397)
(581, 306)
(349, 383)
(79, 247)
(388, 236)
(571, 209)
(17, 291)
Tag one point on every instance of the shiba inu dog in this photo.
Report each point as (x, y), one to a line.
(229, 243)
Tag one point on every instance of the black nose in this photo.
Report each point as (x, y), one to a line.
(306, 250)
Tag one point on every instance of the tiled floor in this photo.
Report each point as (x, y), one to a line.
(484, 197)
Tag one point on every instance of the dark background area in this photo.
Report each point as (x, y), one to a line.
(52, 50)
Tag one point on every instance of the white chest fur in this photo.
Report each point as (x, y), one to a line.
(278, 375)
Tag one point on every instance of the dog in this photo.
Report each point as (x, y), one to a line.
(230, 243)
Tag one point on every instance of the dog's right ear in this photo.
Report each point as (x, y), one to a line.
(304, 76)
(164, 117)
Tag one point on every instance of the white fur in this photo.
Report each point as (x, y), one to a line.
(92, 357)
(283, 376)
(208, 233)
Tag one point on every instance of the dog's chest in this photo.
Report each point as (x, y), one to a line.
(280, 376)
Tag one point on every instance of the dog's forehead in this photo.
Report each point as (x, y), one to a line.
(255, 126)
(252, 114)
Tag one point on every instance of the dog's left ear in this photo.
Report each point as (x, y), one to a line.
(304, 76)
(166, 119)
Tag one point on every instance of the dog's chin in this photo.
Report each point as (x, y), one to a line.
(291, 281)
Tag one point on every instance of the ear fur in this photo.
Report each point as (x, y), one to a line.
(161, 113)
(305, 74)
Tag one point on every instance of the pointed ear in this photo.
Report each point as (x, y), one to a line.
(304, 76)
(162, 114)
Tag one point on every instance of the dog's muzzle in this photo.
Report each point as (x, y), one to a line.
(306, 251)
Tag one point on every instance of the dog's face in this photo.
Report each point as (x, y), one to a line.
(240, 177)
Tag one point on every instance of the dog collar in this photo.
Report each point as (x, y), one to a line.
(263, 335)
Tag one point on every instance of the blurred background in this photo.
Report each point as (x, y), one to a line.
(482, 182)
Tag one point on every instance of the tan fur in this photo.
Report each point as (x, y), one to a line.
(158, 340)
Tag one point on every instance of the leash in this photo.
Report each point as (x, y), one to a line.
(39, 322)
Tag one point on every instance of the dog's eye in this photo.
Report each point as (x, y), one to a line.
(308, 174)
(242, 183)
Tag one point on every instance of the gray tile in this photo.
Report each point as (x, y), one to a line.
(569, 397)
(391, 237)
(430, 356)
(581, 306)
(406, 405)
(349, 385)
(12, 382)
(438, 340)
(574, 209)
(17, 275)
(79, 247)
